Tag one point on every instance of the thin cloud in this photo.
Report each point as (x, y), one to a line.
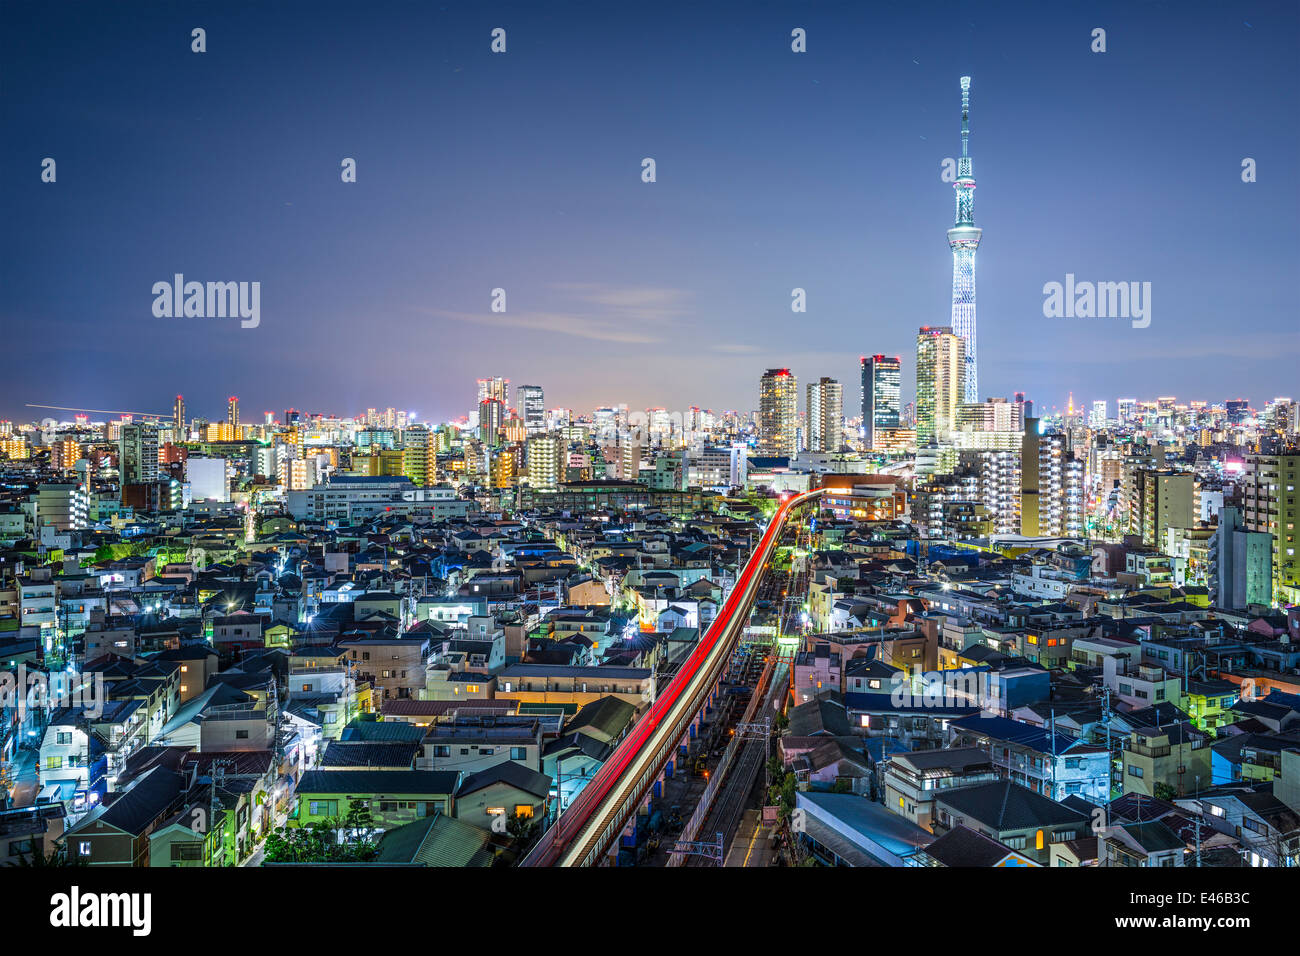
(623, 314)
(551, 323)
(641, 302)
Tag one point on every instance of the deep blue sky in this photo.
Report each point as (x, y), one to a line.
(522, 171)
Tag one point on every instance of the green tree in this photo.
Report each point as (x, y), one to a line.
(359, 816)
(317, 843)
(520, 827)
(781, 794)
(775, 769)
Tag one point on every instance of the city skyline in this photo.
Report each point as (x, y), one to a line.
(563, 436)
(1082, 407)
(606, 274)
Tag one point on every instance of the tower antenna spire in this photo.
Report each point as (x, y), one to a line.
(964, 239)
(965, 115)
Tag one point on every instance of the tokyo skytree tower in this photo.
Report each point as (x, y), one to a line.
(964, 238)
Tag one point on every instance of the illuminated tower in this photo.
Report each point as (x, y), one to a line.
(825, 415)
(964, 239)
(496, 388)
(532, 406)
(778, 413)
(940, 369)
(178, 416)
(490, 419)
(232, 415)
(880, 397)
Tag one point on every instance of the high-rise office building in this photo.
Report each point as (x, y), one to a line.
(659, 426)
(778, 413)
(964, 239)
(137, 461)
(178, 416)
(532, 407)
(940, 382)
(825, 415)
(495, 388)
(609, 422)
(1271, 505)
(880, 397)
(1097, 419)
(491, 417)
(232, 414)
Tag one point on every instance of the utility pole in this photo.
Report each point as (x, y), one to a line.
(277, 755)
(1105, 721)
(559, 787)
(1052, 731)
(217, 775)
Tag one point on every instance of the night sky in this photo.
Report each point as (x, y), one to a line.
(523, 171)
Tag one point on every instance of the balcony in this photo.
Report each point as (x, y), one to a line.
(1144, 750)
